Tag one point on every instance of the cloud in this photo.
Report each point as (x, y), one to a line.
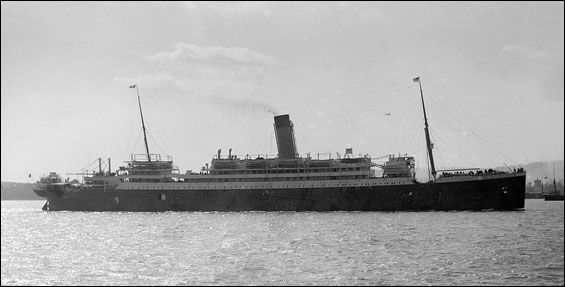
(214, 55)
(232, 7)
(149, 81)
(525, 51)
(202, 85)
(228, 78)
(220, 91)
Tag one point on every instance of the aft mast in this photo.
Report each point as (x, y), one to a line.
(142, 123)
(554, 184)
(428, 142)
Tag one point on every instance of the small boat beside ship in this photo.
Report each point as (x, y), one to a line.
(287, 182)
(555, 195)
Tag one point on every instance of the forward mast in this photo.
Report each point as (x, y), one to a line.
(428, 141)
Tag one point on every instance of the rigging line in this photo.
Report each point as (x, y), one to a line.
(440, 136)
(104, 164)
(416, 132)
(508, 158)
(88, 165)
(417, 151)
(153, 141)
(436, 134)
(459, 111)
(136, 141)
(474, 133)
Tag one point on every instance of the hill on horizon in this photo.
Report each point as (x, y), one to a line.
(543, 169)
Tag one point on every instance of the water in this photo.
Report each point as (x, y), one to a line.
(282, 248)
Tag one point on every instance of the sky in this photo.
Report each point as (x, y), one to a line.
(212, 75)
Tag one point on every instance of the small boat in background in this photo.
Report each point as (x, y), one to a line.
(556, 195)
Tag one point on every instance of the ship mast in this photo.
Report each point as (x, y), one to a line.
(142, 123)
(554, 184)
(428, 142)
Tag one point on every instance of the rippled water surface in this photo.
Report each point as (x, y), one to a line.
(282, 248)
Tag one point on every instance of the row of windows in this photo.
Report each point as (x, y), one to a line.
(290, 170)
(261, 187)
(297, 178)
(259, 179)
(149, 172)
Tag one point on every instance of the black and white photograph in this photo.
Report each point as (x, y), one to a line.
(276, 143)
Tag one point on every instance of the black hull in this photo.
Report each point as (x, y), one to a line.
(500, 194)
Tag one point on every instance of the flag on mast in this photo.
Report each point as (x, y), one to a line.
(416, 80)
(132, 86)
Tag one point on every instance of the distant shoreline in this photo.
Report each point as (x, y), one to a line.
(18, 191)
(16, 199)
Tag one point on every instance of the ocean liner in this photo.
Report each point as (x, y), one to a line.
(149, 182)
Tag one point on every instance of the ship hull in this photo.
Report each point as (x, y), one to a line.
(499, 194)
